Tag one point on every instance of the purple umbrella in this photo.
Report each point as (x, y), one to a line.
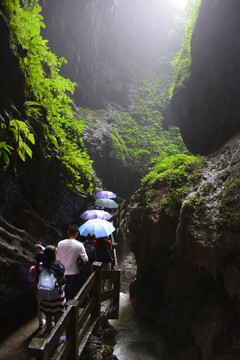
(95, 214)
(106, 194)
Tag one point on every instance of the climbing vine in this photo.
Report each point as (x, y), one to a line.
(47, 89)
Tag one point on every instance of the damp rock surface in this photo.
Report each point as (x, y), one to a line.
(188, 261)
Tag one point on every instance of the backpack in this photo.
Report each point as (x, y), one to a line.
(47, 285)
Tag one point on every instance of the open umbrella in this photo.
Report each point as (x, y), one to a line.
(106, 203)
(106, 194)
(95, 214)
(99, 227)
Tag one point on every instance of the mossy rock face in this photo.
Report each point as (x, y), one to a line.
(185, 250)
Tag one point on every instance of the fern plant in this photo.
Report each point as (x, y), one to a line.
(22, 135)
(5, 153)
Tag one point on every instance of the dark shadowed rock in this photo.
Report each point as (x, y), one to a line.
(208, 106)
(11, 78)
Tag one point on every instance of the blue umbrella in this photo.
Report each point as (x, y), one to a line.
(106, 194)
(106, 203)
(99, 227)
(95, 214)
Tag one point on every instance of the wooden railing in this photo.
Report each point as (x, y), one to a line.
(82, 315)
(119, 216)
(114, 264)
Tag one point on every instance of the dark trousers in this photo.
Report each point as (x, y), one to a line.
(72, 286)
(83, 278)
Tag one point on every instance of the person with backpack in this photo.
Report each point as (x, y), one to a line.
(68, 252)
(33, 276)
(50, 286)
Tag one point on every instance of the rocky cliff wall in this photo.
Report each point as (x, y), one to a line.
(207, 106)
(188, 262)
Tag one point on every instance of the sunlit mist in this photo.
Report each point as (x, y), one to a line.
(180, 4)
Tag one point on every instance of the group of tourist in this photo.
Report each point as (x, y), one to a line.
(71, 264)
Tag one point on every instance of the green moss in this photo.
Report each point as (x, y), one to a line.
(207, 187)
(196, 199)
(139, 138)
(169, 179)
(229, 208)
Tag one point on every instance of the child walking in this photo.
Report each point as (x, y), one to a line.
(54, 308)
(33, 276)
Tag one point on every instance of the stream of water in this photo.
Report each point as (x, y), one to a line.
(135, 340)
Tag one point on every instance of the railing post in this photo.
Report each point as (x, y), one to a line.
(114, 255)
(117, 284)
(97, 266)
(37, 349)
(73, 328)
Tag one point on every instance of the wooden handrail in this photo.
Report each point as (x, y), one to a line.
(78, 321)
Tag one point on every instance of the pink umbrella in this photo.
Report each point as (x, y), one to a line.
(106, 194)
(95, 214)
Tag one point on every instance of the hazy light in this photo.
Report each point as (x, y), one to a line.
(181, 4)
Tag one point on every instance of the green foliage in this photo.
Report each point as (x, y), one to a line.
(172, 174)
(172, 170)
(48, 90)
(139, 138)
(18, 136)
(22, 135)
(5, 152)
(182, 61)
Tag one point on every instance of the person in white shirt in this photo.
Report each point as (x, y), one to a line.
(68, 252)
